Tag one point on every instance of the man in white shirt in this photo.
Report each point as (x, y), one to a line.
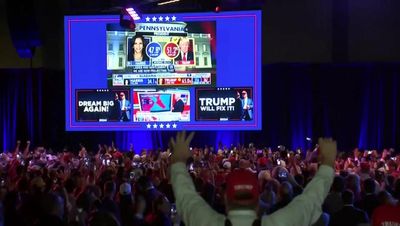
(305, 209)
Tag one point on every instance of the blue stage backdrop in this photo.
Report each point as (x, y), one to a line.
(358, 104)
(20, 106)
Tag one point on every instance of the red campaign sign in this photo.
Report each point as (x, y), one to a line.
(175, 81)
(171, 50)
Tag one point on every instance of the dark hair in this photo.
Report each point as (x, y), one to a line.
(348, 196)
(109, 187)
(369, 185)
(379, 176)
(338, 184)
(343, 173)
(380, 164)
(143, 183)
(144, 55)
(70, 185)
(83, 201)
(134, 38)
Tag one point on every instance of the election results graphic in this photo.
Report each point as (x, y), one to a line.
(173, 71)
(162, 54)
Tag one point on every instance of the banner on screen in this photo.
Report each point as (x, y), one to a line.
(103, 105)
(224, 104)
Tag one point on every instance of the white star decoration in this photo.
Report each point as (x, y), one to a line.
(160, 18)
(161, 126)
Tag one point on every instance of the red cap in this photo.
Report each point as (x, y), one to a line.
(242, 187)
(117, 154)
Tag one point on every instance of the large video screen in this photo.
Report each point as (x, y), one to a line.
(148, 57)
(148, 78)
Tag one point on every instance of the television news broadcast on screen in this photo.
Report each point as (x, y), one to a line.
(172, 71)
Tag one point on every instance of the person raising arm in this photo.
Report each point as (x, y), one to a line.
(242, 193)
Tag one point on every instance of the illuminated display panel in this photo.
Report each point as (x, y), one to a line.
(164, 70)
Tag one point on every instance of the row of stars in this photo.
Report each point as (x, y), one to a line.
(155, 126)
(160, 18)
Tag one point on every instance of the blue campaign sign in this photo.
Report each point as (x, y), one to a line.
(153, 49)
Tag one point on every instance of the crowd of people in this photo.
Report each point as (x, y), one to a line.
(113, 187)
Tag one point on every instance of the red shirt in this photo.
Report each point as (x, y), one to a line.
(232, 160)
(386, 215)
(262, 161)
(396, 174)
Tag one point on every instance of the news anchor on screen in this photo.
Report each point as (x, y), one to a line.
(186, 55)
(179, 105)
(247, 106)
(137, 50)
(125, 108)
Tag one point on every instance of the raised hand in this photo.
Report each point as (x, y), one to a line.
(17, 146)
(180, 147)
(26, 150)
(327, 151)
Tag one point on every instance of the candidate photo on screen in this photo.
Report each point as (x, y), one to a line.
(186, 55)
(247, 106)
(125, 107)
(137, 50)
(238, 112)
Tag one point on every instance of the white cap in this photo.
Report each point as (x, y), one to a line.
(227, 165)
